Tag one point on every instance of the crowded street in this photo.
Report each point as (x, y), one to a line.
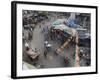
(46, 45)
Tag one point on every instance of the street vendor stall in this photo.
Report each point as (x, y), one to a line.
(31, 53)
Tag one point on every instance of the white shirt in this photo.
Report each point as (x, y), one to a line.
(26, 44)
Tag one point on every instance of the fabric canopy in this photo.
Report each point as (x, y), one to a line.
(58, 24)
(59, 21)
(64, 28)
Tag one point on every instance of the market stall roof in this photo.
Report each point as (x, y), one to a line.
(66, 29)
(59, 21)
(63, 27)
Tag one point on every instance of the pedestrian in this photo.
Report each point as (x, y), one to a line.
(55, 51)
(43, 30)
(30, 35)
(26, 45)
(36, 50)
(66, 60)
(45, 53)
